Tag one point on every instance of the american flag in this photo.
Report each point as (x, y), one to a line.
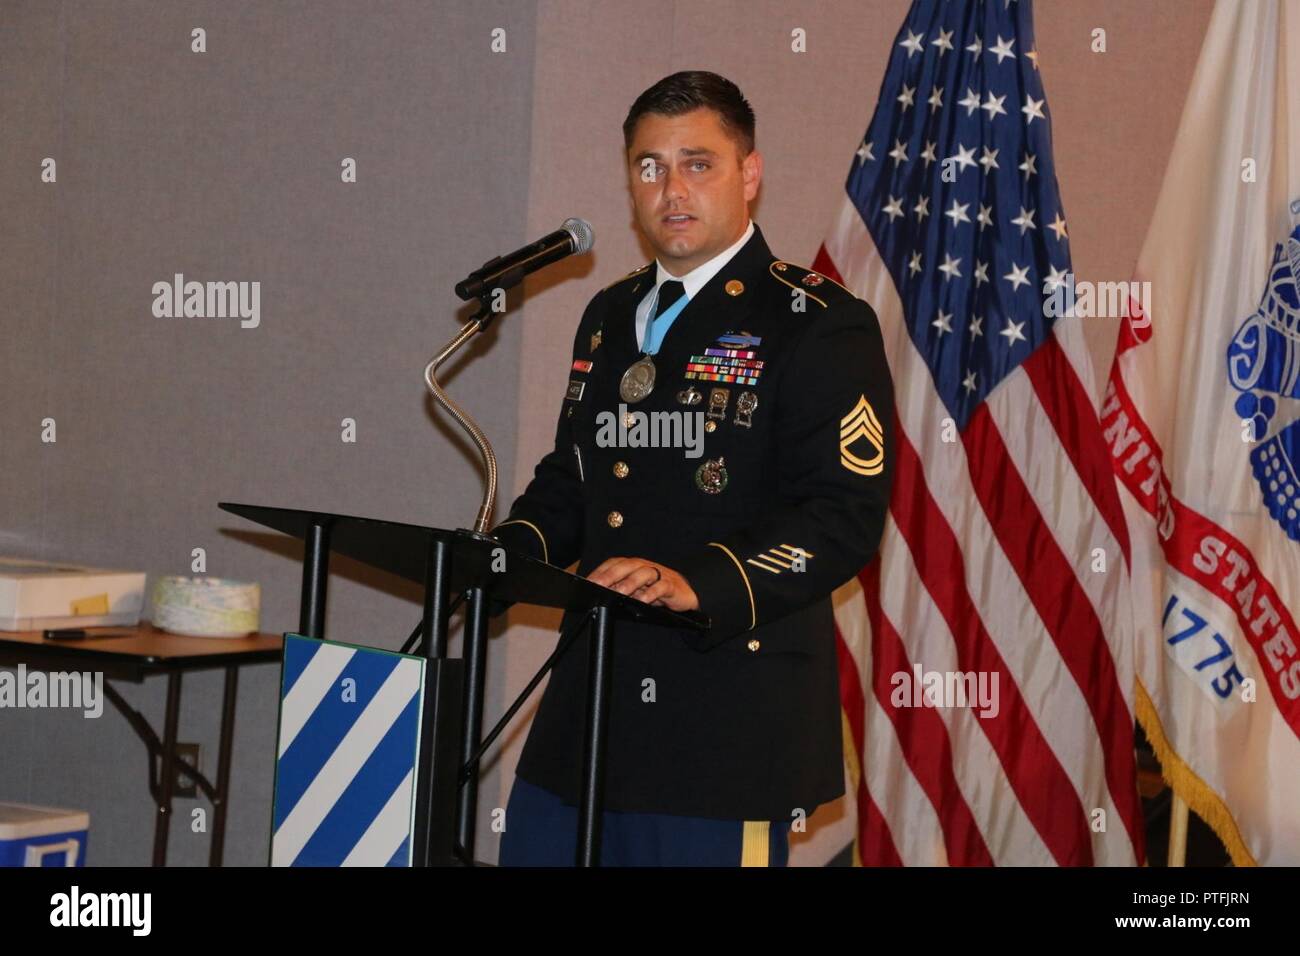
(1005, 552)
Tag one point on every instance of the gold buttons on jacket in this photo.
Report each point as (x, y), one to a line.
(734, 287)
(753, 645)
(615, 519)
(710, 426)
(621, 469)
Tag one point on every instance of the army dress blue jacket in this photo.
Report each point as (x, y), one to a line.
(786, 502)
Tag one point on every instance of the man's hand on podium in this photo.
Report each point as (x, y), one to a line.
(648, 582)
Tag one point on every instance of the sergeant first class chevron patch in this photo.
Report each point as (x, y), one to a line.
(861, 424)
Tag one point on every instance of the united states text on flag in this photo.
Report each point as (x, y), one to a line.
(1202, 418)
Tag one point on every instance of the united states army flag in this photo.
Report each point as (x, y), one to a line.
(1202, 417)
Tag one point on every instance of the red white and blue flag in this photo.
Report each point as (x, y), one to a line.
(1005, 551)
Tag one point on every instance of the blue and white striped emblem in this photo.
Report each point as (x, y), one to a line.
(348, 743)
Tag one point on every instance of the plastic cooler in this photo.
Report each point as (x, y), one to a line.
(42, 836)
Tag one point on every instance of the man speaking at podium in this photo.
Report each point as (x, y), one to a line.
(774, 379)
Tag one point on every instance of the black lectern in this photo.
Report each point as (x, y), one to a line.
(479, 569)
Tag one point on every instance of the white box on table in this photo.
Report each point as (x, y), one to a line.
(38, 594)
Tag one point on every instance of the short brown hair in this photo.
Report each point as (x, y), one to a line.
(691, 90)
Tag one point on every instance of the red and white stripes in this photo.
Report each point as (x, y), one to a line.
(1005, 553)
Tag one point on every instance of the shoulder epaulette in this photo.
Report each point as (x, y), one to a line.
(805, 280)
(634, 272)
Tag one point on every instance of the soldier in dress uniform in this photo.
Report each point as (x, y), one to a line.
(716, 744)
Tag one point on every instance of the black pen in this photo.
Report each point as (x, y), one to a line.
(77, 634)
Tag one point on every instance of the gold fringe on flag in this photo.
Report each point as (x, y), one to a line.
(1194, 791)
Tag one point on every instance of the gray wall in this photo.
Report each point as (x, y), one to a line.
(225, 166)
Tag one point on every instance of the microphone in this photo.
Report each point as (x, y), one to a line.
(574, 236)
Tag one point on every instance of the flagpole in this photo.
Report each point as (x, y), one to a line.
(1178, 832)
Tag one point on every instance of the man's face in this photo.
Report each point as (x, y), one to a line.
(690, 187)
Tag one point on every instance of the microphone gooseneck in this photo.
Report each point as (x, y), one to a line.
(574, 236)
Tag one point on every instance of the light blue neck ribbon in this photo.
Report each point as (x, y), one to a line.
(658, 327)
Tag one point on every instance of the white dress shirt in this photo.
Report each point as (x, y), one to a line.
(692, 282)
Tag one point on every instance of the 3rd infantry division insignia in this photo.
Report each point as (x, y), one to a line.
(861, 424)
